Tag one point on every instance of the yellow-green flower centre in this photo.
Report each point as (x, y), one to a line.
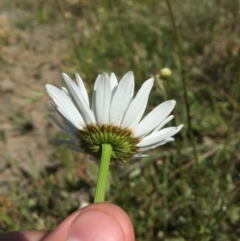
(122, 140)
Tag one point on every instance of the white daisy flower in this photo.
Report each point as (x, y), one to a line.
(114, 116)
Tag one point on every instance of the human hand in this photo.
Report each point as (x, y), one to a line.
(96, 222)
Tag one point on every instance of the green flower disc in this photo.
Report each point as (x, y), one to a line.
(122, 140)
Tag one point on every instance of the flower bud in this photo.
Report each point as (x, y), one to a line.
(165, 72)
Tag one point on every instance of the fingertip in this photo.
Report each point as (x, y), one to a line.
(95, 222)
(122, 218)
(101, 221)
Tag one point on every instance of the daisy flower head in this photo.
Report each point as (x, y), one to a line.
(114, 116)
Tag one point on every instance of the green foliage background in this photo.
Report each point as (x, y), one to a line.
(188, 190)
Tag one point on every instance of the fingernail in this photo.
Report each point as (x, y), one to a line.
(95, 225)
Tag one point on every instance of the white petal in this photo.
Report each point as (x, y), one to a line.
(58, 124)
(71, 129)
(113, 82)
(77, 95)
(137, 106)
(159, 136)
(71, 143)
(143, 149)
(65, 105)
(94, 96)
(154, 118)
(169, 118)
(65, 90)
(103, 99)
(97, 79)
(82, 88)
(122, 98)
(139, 155)
(71, 118)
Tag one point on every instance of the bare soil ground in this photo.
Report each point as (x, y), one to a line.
(29, 59)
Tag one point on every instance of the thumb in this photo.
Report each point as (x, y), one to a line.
(96, 222)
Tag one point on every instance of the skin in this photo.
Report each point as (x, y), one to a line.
(96, 222)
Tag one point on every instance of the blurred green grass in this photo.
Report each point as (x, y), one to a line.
(176, 193)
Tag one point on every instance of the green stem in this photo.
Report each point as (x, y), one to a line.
(103, 173)
(184, 82)
(178, 143)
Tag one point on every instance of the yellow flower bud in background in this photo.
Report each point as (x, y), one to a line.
(165, 72)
